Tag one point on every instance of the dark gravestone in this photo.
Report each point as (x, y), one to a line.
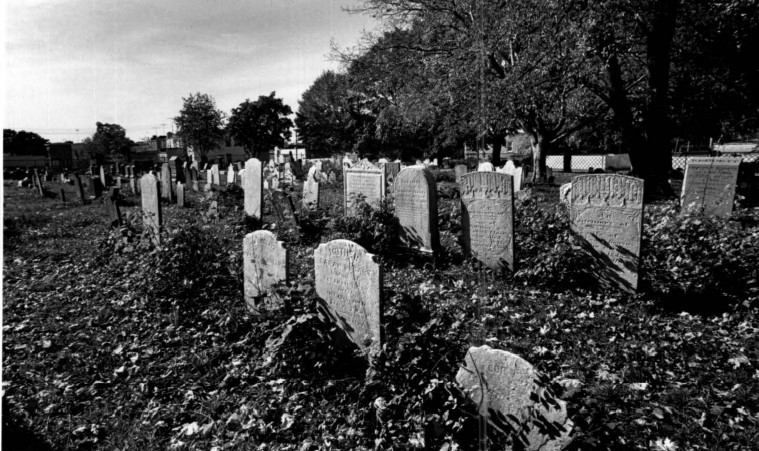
(111, 204)
(79, 187)
(177, 170)
(284, 208)
(180, 194)
(63, 196)
(187, 174)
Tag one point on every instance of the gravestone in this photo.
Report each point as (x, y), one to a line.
(515, 172)
(709, 185)
(180, 194)
(111, 204)
(151, 206)
(311, 194)
(514, 398)
(103, 180)
(284, 208)
(487, 218)
(166, 191)
(231, 174)
(363, 181)
(349, 281)
(38, 183)
(215, 175)
(194, 176)
(486, 167)
(607, 212)
(459, 170)
(252, 185)
(177, 169)
(223, 178)
(331, 177)
(565, 193)
(416, 209)
(265, 263)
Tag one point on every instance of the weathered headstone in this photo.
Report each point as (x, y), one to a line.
(180, 194)
(213, 210)
(265, 263)
(284, 208)
(111, 204)
(103, 180)
(311, 194)
(364, 181)
(231, 174)
(349, 281)
(215, 178)
(607, 212)
(151, 206)
(709, 185)
(514, 398)
(486, 167)
(252, 184)
(459, 170)
(194, 176)
(38, 183)
(416, 209)
(166, 191)
(487, 218)
(565, 193)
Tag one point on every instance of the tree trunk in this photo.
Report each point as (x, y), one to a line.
(567, 160)
(632, 140)
(540, 143)
(499, 139)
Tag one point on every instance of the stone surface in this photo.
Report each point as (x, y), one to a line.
(565, 193)
(252, 184)
(363, 181)
(110, 201)
(265, 264)
(231, 172)
(180, 194)
(416, 209)
(166, 191)
(514, 398)
(284, 208)
(709, 185)
(151, 206)
(311, 194)
(487, 218)
(349, 281)
(486, 167)
(607, 212)
(214, 176)
(460, 170)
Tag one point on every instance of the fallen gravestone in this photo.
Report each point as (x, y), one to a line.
(607, 212)
(362, 182)
(252, 185)
(151, 206)
(265, 264)
(349, 282)
(416, 209)
(515, 399)
(487, 218)
(709, 185)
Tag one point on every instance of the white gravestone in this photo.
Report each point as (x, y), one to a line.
(709, 185)
(253, 187)
(265, 264)
(416, 209)
(363, 180)
(151, 206)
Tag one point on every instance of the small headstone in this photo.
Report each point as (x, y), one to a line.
(416, 209)
(565, 193)
(38, 183)
(133, 185)
(487, 218)
(253, 187)
(151, 206)
(364, 181)
(607, 212)
(311, 194)
(485, 167)
(194, 176)
(180, 194)
(284, 209)
(265, 263)
(111, 204)
(510, 394)
(459, 170)
(349, 282)
(709, 185)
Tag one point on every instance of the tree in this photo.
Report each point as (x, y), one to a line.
(200, 124)
(110, 140)
(261, 125)
(23, 143)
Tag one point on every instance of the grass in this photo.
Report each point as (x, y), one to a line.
(111, 343)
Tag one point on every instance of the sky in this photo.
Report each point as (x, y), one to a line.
(72, 63)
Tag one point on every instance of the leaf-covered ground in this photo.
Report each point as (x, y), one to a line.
(111, 343)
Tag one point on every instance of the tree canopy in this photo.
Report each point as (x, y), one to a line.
(23, 143)
(261, 125)
(110, 140)
(200, 124)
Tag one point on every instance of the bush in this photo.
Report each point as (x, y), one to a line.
(375, 229)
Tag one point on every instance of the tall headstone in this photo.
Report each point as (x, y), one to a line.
(252, 184)
(487, 218)
(510, 395)
(180, 194)
(349, 281)
(231, 174)
(166, 191)
(151, 206)
(607, 212)
(63, 196)
(111, 204)
(459, 170)
(284, 208)
(311, 194)
(363, 181)
(265, 264)
(709, 185)
(416, 209)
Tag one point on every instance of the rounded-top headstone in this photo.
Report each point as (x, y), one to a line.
(416, 208)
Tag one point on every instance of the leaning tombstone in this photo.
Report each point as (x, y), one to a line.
(111, 204)
(284, 208)
(349, 281)
(459, 170)
(180, 194)
(194, 177)
(151, 206)
(38, 183)
(103, 180)
(252, 185)
(166, 191)
(487, 218)
(365, 182)
(709, 185)
(607, 213)
(133, 185)
(265, 263)
(515, 399)
(416, 209)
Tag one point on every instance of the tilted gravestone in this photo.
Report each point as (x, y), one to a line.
(709, 185)
(265, 264)
(151, 206)
(515, 399)
(311, 194)
(284, 208)
(363, 181)
(487, 218)
(63, 196)
(459, 170)
(166, 191)
(252, 184)
(607, 212)
(416, 209)
(38, 183)
(349, 281)
(111, 204)
(180, 194)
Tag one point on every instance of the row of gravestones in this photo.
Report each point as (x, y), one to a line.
(349, 283)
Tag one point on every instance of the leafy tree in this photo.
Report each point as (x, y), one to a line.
(261, 125)
(23, 143)
(110, 140)
(200, 124)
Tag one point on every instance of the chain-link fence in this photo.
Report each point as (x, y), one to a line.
(582, 163)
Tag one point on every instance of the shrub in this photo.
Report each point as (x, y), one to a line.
(375, 229)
